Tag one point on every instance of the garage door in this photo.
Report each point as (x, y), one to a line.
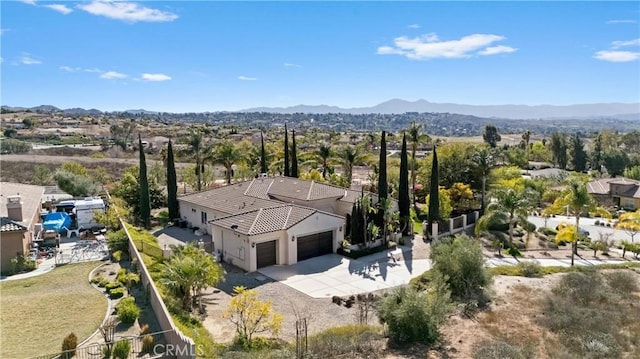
(315, 245)
(266, 254)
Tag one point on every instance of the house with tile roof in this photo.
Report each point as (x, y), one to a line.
(20, 206)
(617, 191)
(271, 220)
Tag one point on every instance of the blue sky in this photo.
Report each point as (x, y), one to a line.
(209, 56)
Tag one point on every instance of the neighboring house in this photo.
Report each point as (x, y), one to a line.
(271, 220)
(618, 191)
(19, 212)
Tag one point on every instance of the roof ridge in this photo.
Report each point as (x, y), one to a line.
(284, 226)
(255, 220)
(268, 188)
(310, 190)
(248, 188)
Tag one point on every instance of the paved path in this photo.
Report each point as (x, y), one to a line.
(585, 223)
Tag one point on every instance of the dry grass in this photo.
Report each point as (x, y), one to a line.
(38, 312)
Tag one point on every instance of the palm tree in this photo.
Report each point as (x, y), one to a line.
(415, 137)
(188, 272)
(526, 137)
(515, 203)
(484, 161)
(323, 155)
(349, 156)
(227, 154)
(575, 201)
(199, 150)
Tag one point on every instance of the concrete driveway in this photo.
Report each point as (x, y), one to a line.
(333, 274)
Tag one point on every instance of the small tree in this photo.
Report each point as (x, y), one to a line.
(263, 155)
(434, 192)
(491, 135)
(383, 186)
(145, 205)
(251, 315)
(415, 316)
(630, 223)
(69, 345)
(461, 262)
(172, 185)
(294, 155)
(286, 152)
(403, 190)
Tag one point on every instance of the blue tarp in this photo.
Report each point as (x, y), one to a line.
(57, 221)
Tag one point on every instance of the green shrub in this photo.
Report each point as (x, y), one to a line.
(548, 231)
(413, 316)
(118, 241)
(111, 286)
(122, 272)
(127, 310)
(147, 344)
(69, 345)
(496, 349)
(622, 282)
(103, 282)
(529, 269)
(117, 256)
(345, 341)
(116, 293)
(121, 349)
(460, 260)
(22, 263)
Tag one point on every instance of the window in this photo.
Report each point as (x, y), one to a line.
(193, 210)
(203, 217)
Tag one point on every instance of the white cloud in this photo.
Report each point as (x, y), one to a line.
(28, 60)
(617, 56)
(155, 77)
(29, 2)
(63, 9)
(78, 69)
(246, 78)
(500, 49)
(287, 64)
(414, 26)
(2, 31)
(619, 44)
(111, 75)
(126, 11)
(429, 46)
(621, 22)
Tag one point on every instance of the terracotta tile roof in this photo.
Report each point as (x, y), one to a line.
(603, 186)
(303, 190)
(266, 220)
(265, 193)
(229, 199)
(8, 225)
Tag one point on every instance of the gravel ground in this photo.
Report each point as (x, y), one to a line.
(285, 300)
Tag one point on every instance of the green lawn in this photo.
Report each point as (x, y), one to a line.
(38, 312)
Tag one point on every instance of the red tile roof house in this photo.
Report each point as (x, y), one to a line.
(20, 206)
(271, 220)
(618, 191)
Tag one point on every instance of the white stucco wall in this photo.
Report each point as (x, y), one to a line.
(192, 214)
(318, 222)
(239, 249)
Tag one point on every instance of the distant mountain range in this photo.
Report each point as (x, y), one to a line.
(398, 106)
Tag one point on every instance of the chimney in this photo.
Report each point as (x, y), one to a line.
(14, 208)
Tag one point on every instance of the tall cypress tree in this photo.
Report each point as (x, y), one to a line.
(172, 185)
(434, 192)
(145, 206)
(383, 186)
(403, 190)
(294, 155)
(286, 151)
(263, 155)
